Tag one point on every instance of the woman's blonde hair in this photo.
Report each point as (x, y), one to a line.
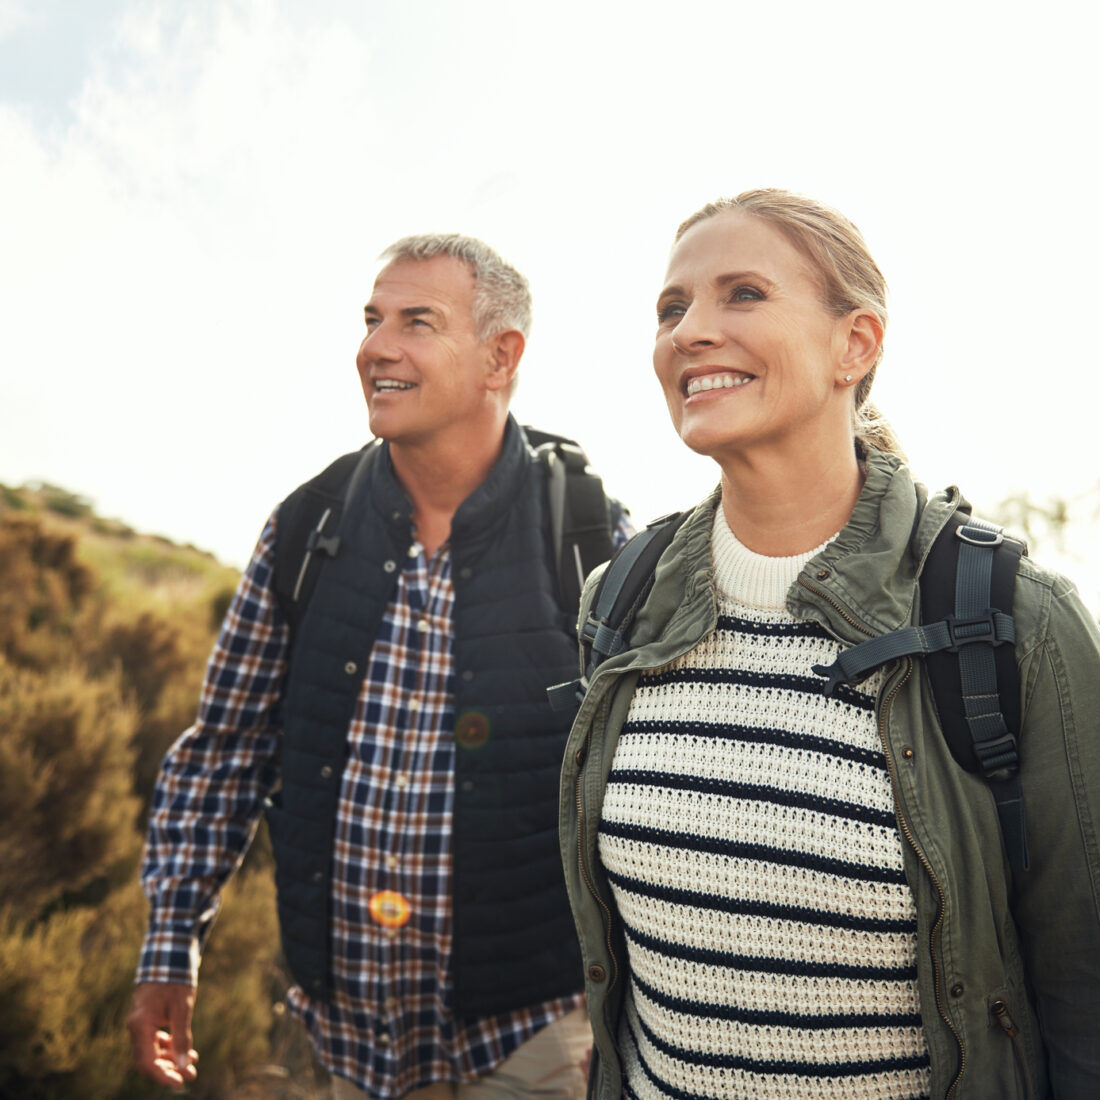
(850, 278)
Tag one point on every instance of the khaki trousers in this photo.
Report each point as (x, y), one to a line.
(547, 1066)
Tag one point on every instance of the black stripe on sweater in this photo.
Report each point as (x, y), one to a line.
(836, 1070)
(783, 856)
(798, 968)
(774, 681)
(754, 792)
(759, 735)
(796, 1020)
(823, 918)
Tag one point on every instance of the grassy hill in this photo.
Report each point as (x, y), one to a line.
(104, 635)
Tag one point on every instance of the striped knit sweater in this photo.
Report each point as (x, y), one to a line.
(749, 837)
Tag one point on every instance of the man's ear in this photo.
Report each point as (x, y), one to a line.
(505, 352)
(862, 335)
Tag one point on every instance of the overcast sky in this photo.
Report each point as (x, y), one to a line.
(192, 196)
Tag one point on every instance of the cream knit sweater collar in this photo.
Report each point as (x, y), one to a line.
(752, 579)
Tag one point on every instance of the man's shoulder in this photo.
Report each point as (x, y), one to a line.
(332, 480)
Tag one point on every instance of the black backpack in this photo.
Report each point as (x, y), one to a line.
(966, 638)
(582, 519)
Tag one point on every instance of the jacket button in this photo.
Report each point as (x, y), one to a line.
(389, 566)
(318, 876)
(823, 574)
(467, 785)
(467, 675)
(351, 668)
(907, 752)
(597, 972)
(958, 990)
(326, 772)
(465, 572)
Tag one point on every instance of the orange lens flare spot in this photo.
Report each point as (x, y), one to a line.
(472, 730)
(390, 909)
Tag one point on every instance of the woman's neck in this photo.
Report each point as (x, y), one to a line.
(781, 505)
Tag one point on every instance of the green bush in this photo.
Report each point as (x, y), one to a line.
(103, 640)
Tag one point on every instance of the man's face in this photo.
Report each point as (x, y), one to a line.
(423, 370)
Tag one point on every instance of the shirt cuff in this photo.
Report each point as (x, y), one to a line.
(170, 955)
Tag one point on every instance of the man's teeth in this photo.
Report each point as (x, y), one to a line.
(392, 384)
(716, 382)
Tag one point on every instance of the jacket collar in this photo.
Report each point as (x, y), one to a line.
(862, 584)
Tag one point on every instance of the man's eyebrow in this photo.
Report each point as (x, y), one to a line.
(408, 311)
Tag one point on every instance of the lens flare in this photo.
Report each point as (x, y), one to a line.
(472, 729)
(390, 909)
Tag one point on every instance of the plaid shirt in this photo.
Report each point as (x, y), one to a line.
(388, 1026)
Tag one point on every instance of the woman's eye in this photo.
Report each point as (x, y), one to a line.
(669, 310)
(746, 294)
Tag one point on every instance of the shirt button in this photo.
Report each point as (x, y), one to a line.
(392, 1004)
(351, 668)
(423, 626)
(391, 862)
(414, 703)
(402, 781)
(389, 566)
(384, 1038)
(414, 550)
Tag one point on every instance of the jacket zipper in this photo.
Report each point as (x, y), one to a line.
(1008, 1026)
(907, 833)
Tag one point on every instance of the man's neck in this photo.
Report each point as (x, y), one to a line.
(782, 504)
(439, 474)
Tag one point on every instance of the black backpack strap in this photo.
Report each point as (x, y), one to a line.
(309, 524)
(581, 516)
(967, 589)
(620, 592)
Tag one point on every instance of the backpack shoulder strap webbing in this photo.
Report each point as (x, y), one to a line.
(967, 590)
(309, 524)
(619, 593)
(581, 516)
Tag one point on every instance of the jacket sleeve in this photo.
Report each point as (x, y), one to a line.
(1057, 903)
(213, 780)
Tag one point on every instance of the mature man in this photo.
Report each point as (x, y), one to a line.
(396, 699)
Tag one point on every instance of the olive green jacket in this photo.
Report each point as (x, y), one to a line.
(1008, 965)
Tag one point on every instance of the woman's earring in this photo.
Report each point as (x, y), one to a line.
(847, 378)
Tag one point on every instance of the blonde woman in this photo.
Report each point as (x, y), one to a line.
(780, 892)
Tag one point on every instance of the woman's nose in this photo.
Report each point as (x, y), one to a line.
(696, 330)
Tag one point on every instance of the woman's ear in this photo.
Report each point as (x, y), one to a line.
(863, 340)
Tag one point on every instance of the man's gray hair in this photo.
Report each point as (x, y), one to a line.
(502, 298)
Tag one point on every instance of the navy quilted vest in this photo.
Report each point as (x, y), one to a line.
(514, 942)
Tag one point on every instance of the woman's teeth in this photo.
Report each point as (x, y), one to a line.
(716, 382)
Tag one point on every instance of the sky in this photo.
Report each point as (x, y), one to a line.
(193, 196)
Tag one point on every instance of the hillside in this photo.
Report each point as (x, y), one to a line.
(104, 635)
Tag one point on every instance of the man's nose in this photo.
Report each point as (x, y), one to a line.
(378, 346)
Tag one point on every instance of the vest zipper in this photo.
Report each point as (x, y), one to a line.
(906, 832)
(1008, 1026)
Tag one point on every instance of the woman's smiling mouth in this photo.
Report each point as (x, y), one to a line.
(722, 381)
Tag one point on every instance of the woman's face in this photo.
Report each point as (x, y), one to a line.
(747, 355)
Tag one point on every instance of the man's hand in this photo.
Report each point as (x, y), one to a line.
(160, 1032)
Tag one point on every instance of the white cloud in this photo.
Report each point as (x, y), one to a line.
(186, 257)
